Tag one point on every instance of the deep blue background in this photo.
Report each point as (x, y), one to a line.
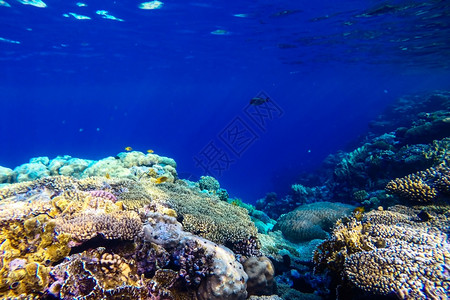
(160, 80)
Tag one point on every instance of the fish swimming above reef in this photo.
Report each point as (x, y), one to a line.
(161, 179)
(258, 100)
(128, 148)
(150, 151)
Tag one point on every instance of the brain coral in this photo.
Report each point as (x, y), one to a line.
(311, 221)
(390, 252)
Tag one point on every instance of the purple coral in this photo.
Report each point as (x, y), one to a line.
(248, 247)
(149, 258)
(104, 194)
(192, 261)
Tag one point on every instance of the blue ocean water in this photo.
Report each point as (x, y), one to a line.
(90, 78)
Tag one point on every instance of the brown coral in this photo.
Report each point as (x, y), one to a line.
(124, 225)
(205, 215)
(424, 186)
(412, 188)
(260, 271)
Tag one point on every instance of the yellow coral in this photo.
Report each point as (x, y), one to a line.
(28, 248)
(423, 186)
(412, 188)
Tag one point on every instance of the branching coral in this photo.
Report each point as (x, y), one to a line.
(423, 186)
(412, 188)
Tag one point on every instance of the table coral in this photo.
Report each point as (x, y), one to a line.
(83, 226)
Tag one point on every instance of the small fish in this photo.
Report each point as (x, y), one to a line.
(150, 151)
(220, 32)
(161, 179)
(128, 148)
(107, 176)
(258, 100)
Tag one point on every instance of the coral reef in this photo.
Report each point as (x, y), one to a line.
(390, 252)
(227, 279)
(124, 165)
(105, 237)
(29, 245)
(126, 227)
(410, 136)
(311, 221)
(406, 111)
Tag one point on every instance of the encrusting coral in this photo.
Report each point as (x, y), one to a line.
(29, 246)
(390, 252)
